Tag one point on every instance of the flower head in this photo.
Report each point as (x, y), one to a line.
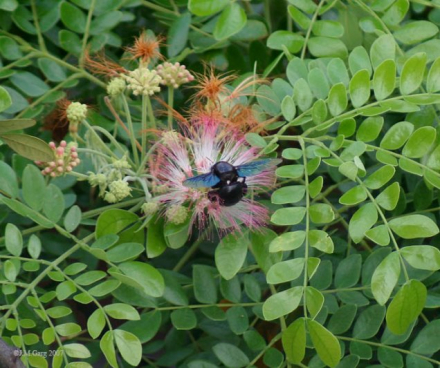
(174, 75)
(146, 47)
(76, 112)
(118, 190)
(143, 81)
(65, 159)
(116, 87)
(205, 142)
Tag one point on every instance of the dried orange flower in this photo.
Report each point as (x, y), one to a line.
(211, 86)
(146, 48)
(101, 65)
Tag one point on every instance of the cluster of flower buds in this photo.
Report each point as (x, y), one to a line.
(116, 87)
(143, 81)
(118, 190)
(149, 208)
(177, 214)
(174, 75)
(65, 159)
(110, 180)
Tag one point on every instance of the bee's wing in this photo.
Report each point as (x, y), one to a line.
(202, 181)
(255, 167)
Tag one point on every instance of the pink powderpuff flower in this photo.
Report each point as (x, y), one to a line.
(205, 142)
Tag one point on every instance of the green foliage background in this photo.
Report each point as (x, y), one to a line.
(346, 274)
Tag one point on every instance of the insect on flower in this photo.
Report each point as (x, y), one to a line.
(228, 181)
(207, 172)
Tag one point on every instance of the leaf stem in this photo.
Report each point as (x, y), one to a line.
(170, 107)
(41, 42)
(309, 30)
(388, 347)
(86, 34)
(306, 245)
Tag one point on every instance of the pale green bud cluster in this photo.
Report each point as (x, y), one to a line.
(108, 175)
(150, 208)
(76, 112)
(118, 190)
(177, 214)
(174, 75)
(121, 163)
(143, 81)
(116, 87)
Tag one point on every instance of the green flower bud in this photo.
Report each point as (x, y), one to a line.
(97, 179)
(110, 198)
(150, 208)
(120, 189)
(177, 214)
(76, 112)
(116, 87)
(121, 164)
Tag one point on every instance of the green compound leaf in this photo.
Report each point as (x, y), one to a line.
(178, 34)
(360, 88)
(337, 99)
(122, 311)
(232, 19)
(282, 303)
(414, 226)
(184, 319)
(382, 49)
(423, 257)
(362, 221)
(433, 82)
(426, 342)
(415, 32)
(129, 346)
(291, 41)
(380, 177)
(412, 73)
(384, 79)
(420, 142)
(385, 278)
(29, 147)
(34, 187)
(406, 306)
(315, 301)
(369, 322)
(230, 255)
(146, 275)
(288, 216)
(294, 341)
(14, 124)
(114, 221)
(204, 8)
(289, 194)
(73, 17)
(108, 348)
(358, 60)
(397, 135)
(389, 198)
(13, 240)
(287, 241)
(326, 344)
(96, 323)
(370, 129)
(285, 271)
(230, 355)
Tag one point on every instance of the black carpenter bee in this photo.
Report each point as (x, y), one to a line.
(227, 181)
